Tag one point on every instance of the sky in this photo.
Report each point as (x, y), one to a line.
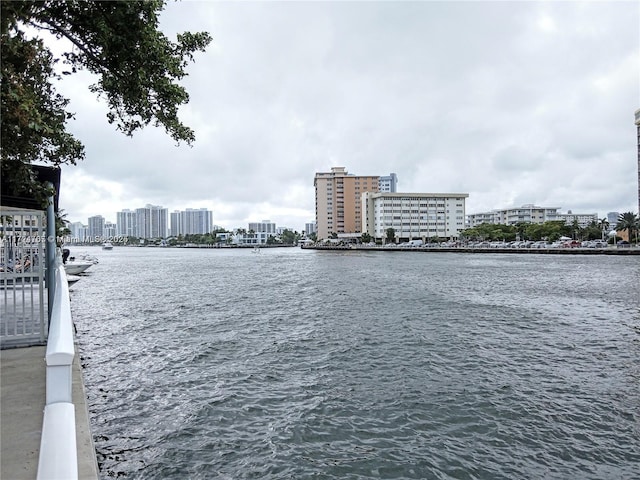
(510, 102)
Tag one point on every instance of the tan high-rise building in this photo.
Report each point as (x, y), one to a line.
(338, 201)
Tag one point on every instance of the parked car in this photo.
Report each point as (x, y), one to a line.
(571, 244)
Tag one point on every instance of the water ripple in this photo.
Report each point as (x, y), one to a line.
(298, 364)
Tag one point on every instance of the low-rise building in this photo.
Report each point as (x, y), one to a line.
(528, 213)
(413, 215)
(583, 219)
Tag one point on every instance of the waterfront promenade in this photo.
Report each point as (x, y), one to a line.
(22, 405)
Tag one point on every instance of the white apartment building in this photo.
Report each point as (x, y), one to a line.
(309, 228)
(109, 230)
(79, 232)
(612, 218)
(197, 221)
(413, 216)
(583, 219)
(265, 226)
(96, 228)
(256, 238)
(151, 222)
(528, 213)
(388, 183)
(480, 218)
(126, 223)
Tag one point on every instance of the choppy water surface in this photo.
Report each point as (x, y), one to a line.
(313, 364)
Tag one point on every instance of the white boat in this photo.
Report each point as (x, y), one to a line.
(107, 246)
(85, 257)
(71, 279)
(76, 267)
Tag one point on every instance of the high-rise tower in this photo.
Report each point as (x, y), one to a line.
(338, 200)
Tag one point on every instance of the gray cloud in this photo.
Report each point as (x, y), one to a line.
(512, 102)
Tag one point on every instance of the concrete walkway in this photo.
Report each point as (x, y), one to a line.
(22, 400)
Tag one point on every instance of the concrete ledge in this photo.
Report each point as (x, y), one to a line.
(87, 459)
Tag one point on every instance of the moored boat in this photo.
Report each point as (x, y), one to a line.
(76, 267)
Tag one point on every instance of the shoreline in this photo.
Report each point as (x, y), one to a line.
(532, 251)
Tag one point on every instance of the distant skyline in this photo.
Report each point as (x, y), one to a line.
(302, 229)
(512, 102)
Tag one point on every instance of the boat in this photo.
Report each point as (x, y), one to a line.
(76, 267)
(107, 246)
(85, 257)
(256, 249)
(71, 279)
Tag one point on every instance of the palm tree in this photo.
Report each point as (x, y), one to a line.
(604, 225)
(391, 235)
(628, 221)
(62, 227)
(576, 230)
(61, 223)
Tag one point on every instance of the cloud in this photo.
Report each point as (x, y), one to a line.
(511, 102)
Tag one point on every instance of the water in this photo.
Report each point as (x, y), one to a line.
(294, 364)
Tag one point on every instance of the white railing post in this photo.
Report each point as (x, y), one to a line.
(60, 346)
(58, 458)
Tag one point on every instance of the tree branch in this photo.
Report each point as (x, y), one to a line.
(53, 28)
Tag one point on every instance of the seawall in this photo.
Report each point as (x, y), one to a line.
(533, 251)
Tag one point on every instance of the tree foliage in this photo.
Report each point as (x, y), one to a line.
(136, 65)
(391, 235)
(628, 221)
(288, 237)
(551, 231)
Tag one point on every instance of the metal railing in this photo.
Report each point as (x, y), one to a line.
(22, 268)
